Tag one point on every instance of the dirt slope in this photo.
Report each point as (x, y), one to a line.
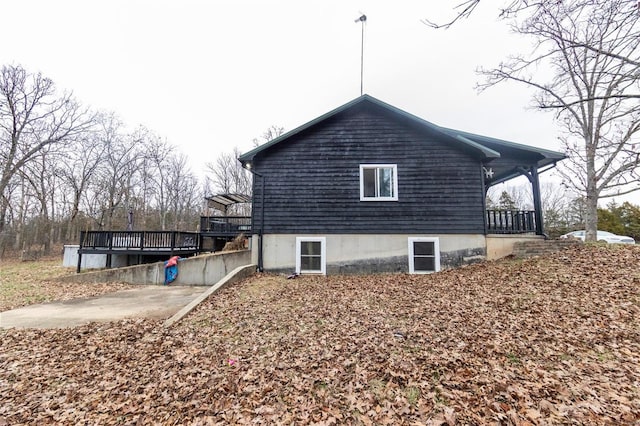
(540, 341)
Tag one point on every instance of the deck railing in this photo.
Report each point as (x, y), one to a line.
(498, 222)
(511, 221)
(225, 225)
(139, 240)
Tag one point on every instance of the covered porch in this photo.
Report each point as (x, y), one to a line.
(507, 161)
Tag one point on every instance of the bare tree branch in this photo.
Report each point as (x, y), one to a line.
(465, 9)
(33, 117)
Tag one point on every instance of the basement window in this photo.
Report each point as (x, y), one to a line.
(424, 255)
(378, 182)
(311, 255)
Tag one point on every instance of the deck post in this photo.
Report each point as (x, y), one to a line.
(82, 234)
(110, 236)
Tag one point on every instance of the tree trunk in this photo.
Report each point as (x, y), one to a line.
(591, 213)
(3, 212)
(591, 218)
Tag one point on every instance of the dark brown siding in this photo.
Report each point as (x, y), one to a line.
(312, 180)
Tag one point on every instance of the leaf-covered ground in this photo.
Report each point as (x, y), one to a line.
(552, 340)
(26, 283)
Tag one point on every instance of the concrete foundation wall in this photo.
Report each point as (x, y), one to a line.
(118, 260)
(90, 261)
(205, 270)
(348, 253)
(499, 246)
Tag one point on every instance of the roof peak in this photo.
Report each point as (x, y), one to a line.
(469, 141)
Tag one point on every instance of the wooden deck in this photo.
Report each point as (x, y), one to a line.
(140, 243)
(136, 241)
(149, 245)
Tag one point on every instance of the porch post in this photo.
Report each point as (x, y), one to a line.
(484, 200)
(537, 201)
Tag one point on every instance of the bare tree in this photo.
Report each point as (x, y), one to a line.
(32, 118)
(114, 179)
(183, 193)
(149, 198)
(228, 174)
(557, 207)
(520, 196)
(268, 135)
(39, 176)
(16, 213)
(464, 9)
(157, 160)
(62, 168)
(82, 159)
(588, 51)
(513, 8)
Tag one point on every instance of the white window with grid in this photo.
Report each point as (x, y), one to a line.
(424, 255)
(311, 255)
(378, 182)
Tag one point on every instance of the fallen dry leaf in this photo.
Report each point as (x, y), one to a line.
(548, 340)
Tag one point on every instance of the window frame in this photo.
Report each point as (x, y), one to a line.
(394, 176)
(436, 254)
(323, 255)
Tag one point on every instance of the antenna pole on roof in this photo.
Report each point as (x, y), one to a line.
(362, 19)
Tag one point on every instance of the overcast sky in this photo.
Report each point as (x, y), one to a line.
(212, 75)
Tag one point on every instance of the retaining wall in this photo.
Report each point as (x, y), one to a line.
(540, 247)
(206, 269)
(234, 276)
(502, 245)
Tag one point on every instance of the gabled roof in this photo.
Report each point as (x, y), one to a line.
(248, 157)
(486, 148)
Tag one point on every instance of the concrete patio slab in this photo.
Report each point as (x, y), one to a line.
(157, 302)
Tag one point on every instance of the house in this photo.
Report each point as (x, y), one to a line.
(368, 187)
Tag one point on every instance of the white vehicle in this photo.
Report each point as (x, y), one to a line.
(603, 236)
